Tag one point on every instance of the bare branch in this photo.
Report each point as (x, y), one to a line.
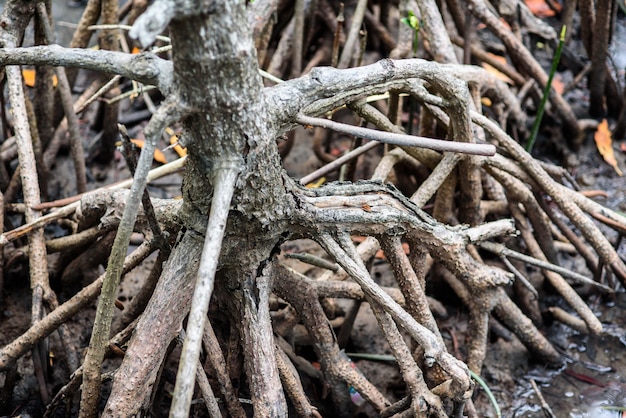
(400, 139)
(169, 112)
(145, 67)
(501, 250)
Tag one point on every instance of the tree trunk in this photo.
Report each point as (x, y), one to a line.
(227, 126)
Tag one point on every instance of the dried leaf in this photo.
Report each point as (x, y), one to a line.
(174, 142)
(594, 193)
(179, 150)
(557, 84)
(159, 157)
(29, 77)
(316, 184)
(604, 143)
(539, 8)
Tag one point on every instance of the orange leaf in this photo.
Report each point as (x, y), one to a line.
(135, 50)
(594, 193)
(179, 150)
(159, 157)
(29, 77)
(539, 8)
(557, 84)
(174, 142)
(603, 139)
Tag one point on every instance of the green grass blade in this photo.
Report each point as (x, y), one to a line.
(546, 92)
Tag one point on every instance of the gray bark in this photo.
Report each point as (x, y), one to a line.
(227, 125)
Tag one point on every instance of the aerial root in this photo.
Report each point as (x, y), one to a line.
(336, 367)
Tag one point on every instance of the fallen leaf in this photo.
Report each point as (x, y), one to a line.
(316, 184)
(174, 142)
(557, 84)
(158, 156)
(135, 50)
(604, 143)
(539, 8)
(179, 150)
(594, 193)
(29, 77)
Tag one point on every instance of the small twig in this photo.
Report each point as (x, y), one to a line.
(569, 320)
(429, 187)
(314, 261)
(293, 386)
(298, 39)
(337, 36)
(207, 393)
(336, 164)
(519, 276)
(105, 88)
(501, 250)
(399, 139)
(216, 360)
(130, 154)
(544, 405)
(70, 204)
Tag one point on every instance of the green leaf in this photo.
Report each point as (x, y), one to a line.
(411, 21)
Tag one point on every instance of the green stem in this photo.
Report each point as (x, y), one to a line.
(492, 398)
(546, 91)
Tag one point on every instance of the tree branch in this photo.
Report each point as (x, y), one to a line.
(145, 67)
(400, 139)
(169, 112)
